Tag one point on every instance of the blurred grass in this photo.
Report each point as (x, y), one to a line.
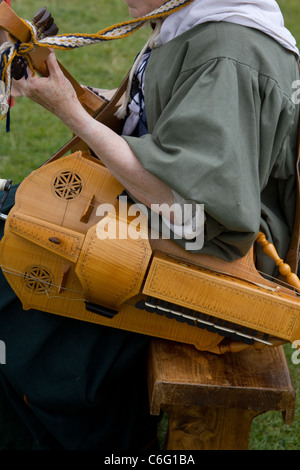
(36, 134)
(268, 430)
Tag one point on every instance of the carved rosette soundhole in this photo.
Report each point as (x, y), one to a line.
(67, 185)
(37, 279)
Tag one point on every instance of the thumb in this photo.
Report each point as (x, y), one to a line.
(52, 64)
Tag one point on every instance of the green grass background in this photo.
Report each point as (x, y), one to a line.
(36, 134)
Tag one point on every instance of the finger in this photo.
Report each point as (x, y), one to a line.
(52, 64)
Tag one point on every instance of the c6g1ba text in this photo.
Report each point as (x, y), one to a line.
(171, 459)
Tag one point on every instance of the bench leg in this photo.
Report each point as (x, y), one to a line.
(202, 428)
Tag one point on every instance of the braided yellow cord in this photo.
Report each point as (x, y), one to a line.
(117, 31)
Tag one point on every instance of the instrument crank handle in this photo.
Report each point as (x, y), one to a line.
(5, 186)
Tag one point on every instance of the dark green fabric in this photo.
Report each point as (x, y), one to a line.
(84, 385)
(223, 132)
(13, 433)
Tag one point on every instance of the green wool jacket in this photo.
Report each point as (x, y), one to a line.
(223, 129)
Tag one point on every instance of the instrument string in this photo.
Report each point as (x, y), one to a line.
(243, 267)
(194, 316)
(257, 276)
(255, 273)
(49, 285)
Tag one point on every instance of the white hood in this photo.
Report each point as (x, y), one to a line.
(264, 15)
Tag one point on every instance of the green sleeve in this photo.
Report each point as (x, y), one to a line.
(206, 146)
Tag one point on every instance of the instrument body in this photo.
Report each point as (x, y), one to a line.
(79, 268)
(59, 256)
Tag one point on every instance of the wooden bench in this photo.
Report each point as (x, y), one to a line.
(211, 400)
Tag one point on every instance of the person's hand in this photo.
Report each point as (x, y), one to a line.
(55, 92)
(16, 89)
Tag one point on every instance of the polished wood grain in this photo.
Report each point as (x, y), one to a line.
(55, 227)
(58, 236)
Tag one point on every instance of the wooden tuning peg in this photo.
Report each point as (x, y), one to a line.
(39, 15)
(51, 31)
(17, 68)
(43, 20)
(45, 25)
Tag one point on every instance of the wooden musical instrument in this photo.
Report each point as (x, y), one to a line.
(62, 256)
